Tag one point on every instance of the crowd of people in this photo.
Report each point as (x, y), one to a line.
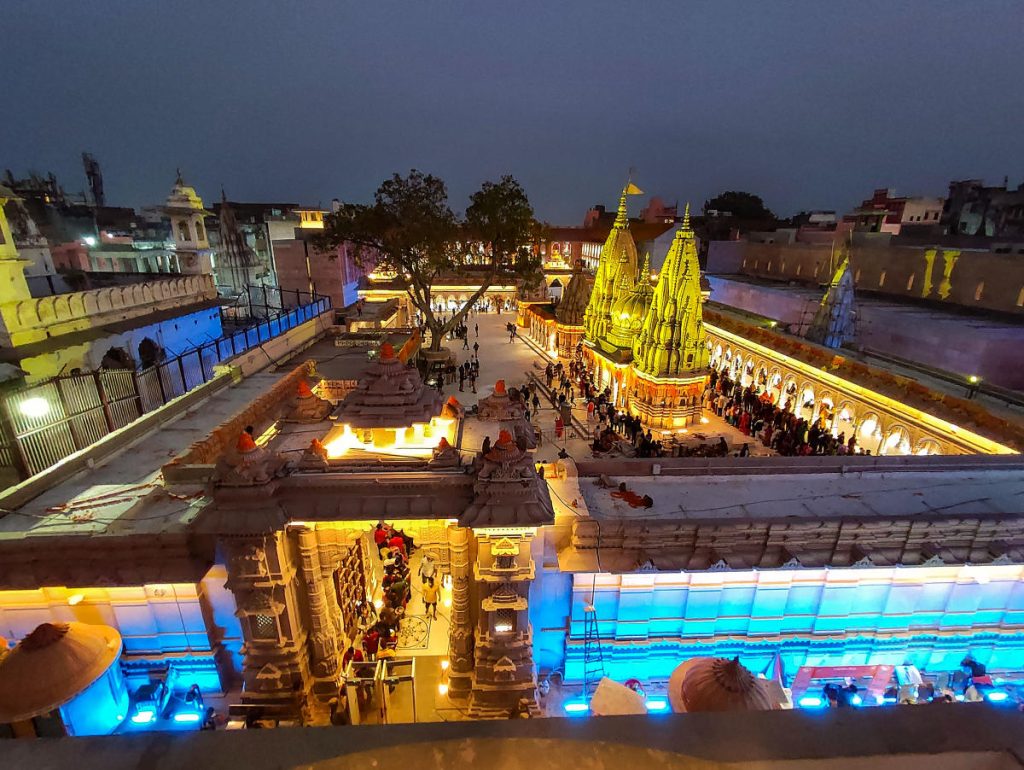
(779, 428)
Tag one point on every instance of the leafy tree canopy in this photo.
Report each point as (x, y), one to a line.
(411, 230)
(742, 205)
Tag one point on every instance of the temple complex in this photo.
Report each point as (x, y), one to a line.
(647, 343)
(246, 547)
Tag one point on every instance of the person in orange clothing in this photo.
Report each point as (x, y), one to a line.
(430, 592)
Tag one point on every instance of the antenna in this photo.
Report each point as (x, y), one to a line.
(95, 177)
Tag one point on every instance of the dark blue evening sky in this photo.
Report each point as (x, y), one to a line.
(810, 104)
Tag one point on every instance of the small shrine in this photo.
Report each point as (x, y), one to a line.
(508, 491)
(509, 411)
(391, 410)
(307, 406)
(247, 464)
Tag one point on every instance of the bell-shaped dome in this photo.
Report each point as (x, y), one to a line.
(716, 684)
(52, 665)
(628, 311)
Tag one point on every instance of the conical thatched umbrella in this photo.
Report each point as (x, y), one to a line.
(52, 665)
(716, 684)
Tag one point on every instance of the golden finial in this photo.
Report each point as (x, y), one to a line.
(686, 218)
(622, 218)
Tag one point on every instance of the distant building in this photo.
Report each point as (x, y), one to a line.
(303, 268)
(571, 243)
(974, 209)
(884, 212)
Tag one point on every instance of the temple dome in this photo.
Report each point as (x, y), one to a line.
(184, 196)
(52, 665)
(629, 309)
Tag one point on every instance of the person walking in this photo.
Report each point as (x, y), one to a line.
(465, 342)
(430, 591)
(462, 379)
(476, 350)
(476, 328)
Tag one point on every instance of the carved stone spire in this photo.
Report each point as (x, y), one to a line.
(671, 342)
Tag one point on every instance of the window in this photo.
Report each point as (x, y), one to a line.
(264, 627)
(979, 291)
(910, 282)
(199, 231)
(505, 621)
(799, 269)
(881, 279)
(856, 277)
(183, 230)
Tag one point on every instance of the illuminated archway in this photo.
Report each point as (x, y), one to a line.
(844, 421)
(897, 441)
(716, 357)
(869, 433)
(804, 406)
(928, 446)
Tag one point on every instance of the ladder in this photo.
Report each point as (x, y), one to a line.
(593, 658)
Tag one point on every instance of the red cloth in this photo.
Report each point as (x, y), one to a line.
(398, 544)
(370, 642)
(559, 427)
(379, 536)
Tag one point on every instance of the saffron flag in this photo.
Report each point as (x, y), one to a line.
(632, 189)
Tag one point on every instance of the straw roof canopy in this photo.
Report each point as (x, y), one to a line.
(52, 665)
(716, 684)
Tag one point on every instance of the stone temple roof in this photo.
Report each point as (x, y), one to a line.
(574, 300)
(508, 491)
(390, 394)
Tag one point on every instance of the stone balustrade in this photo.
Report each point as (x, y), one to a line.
(32, 320)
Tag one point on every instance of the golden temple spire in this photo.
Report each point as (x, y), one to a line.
(686, 221)
(622, 218)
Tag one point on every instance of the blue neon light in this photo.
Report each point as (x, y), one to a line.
(657, 704)
(810, 702)
(856, 700)
(143, 717)
(576, 707)
(996, 696)
(187, 716)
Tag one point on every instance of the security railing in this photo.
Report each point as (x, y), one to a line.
(43, 423)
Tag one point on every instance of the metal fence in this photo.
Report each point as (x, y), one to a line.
(43, 423)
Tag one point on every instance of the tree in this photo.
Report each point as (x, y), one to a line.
(742, 205)
(410, 229)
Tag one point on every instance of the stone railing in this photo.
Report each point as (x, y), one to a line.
(31, 320)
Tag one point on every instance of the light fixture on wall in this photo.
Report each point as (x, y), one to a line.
(34, 407)
(75, 599)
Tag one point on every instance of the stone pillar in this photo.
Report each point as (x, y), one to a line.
(460, 643)
(323, 632)
(261, 575)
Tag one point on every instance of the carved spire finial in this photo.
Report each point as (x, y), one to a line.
(622, 218)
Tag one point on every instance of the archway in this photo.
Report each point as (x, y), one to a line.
(897, 442)
(928, 446)
(869, 433)
(716, 357)
(805, 402)
(789, 395)
(843, 421)
(748, 374)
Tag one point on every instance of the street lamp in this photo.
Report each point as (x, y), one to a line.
(34, 407)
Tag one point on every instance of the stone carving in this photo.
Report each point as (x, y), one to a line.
(249, 562)
(270, 678)
(314, 457)
(308, 407)
(444, 455)
(508, 490)
(248, 465)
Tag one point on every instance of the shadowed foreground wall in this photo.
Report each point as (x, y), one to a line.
(950, 737)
